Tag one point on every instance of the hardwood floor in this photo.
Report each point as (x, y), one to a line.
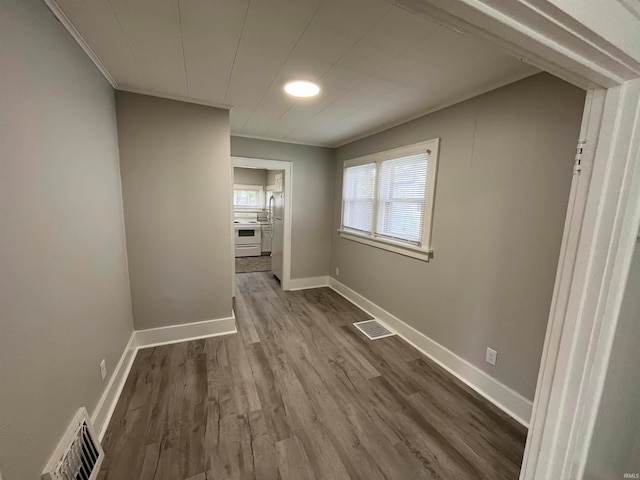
(300, 394)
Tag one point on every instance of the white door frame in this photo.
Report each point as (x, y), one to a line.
(603, 215)
(288, 204)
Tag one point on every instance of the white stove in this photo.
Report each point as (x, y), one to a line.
(242, 218)
(247, 234)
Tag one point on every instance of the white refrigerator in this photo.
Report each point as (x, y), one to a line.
(276, 208)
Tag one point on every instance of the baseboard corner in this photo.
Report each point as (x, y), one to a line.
(154, 337)
(109, 399)
(150, 338)
(308, 282)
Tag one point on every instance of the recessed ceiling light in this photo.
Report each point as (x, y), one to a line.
(301, 88)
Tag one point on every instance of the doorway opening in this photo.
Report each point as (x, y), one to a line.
(261, 206)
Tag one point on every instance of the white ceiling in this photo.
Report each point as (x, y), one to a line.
(377, 64)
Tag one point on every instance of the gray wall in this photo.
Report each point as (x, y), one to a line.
(176, 181)
(615, 448)
(503, 183)
(312, 205)
(64, 287)
(250, 176)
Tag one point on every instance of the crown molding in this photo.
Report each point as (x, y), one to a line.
(169, 96)
(541, 34)
(68, 24)
(507, 80)
(632, 6)
(281, 140)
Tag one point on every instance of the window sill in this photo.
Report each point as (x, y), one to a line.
(389, 245)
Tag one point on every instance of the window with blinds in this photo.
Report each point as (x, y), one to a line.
(388, 198)
(358, 197)
(402, 192)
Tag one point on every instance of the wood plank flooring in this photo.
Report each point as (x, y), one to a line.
(300, 394)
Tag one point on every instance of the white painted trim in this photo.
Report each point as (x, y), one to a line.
(388, 245)
(620, 254)
(269, 164)
(281, 140)
(430, 148)
(600, 227)
(632, 6)
(547, 36)
(151, 338)
(505, 398)
(592, 117)
(68, 24)
(579, 335)
(106, 405)
(445, 104)
(169, 96)
(539, 32)
(154, 337)
(432, 109)
(309, 282)
(81, 417)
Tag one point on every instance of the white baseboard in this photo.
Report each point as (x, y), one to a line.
(151, 338)
(309, 282)
(107, 403)
(505, 398)
(185, 332)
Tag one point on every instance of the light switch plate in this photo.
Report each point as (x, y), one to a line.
(492, 356)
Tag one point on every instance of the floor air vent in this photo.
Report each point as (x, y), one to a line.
(373, 329)
(79, 454)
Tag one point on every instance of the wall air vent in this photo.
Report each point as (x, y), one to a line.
(78, 455)
(373, 329)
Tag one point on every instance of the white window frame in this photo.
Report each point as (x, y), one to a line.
(261, 196)
(424, 250)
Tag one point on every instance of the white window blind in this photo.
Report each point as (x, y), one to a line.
(402, 184)
(358, 197)
(388, 199)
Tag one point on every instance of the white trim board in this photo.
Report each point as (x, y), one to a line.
(151, 338)
(508, 400)
(309, 282)
(185, 332)
(169, 96)
(73, 31)
(107, 404)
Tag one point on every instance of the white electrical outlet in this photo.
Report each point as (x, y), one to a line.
(492, 356)
(337, 272)
(103, 369)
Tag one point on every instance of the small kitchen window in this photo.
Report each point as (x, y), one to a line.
(387, 199)
(248, 196)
